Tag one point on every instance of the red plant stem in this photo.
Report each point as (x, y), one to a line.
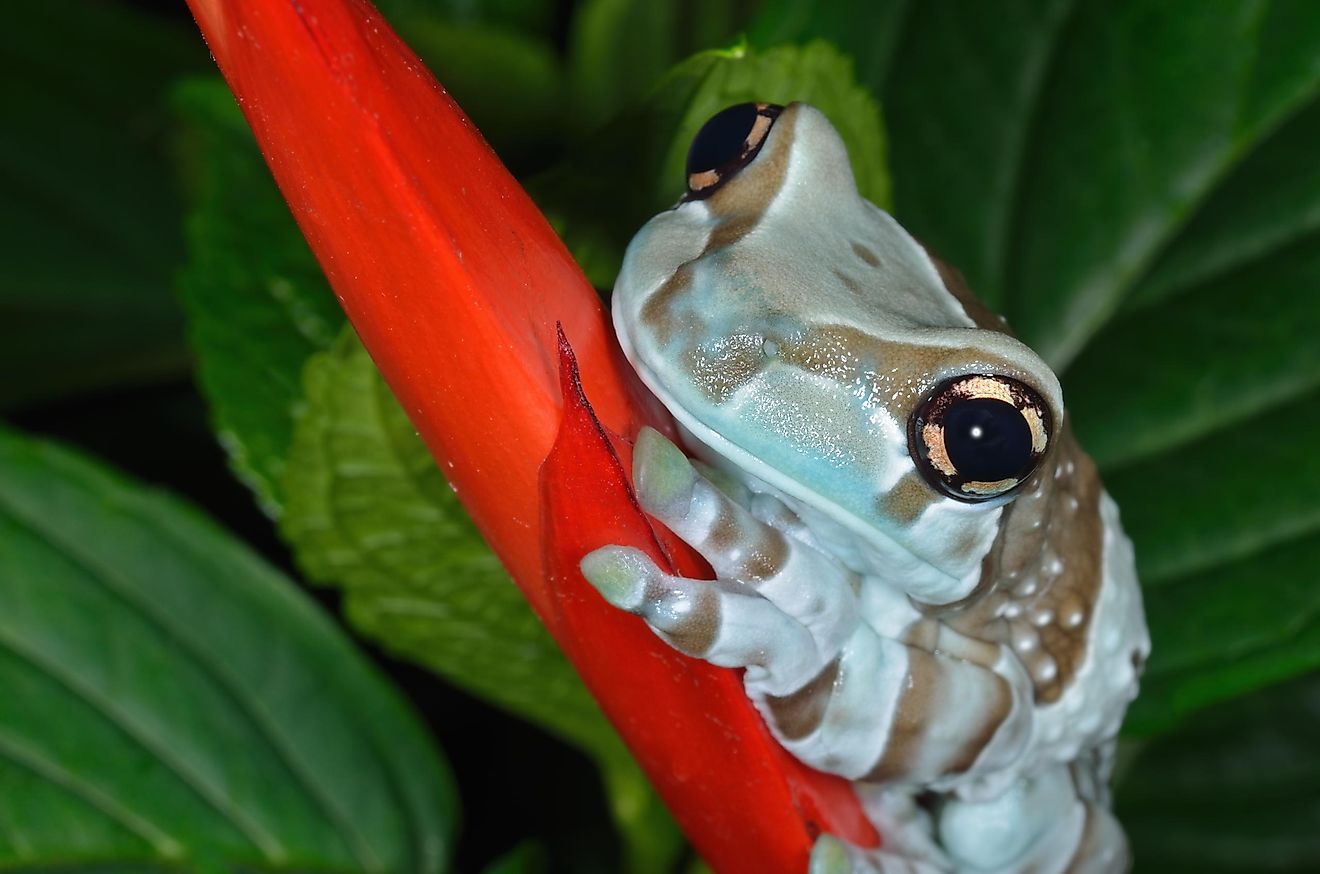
(454, 281)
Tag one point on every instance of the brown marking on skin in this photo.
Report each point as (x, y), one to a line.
(725, 534)
(975, 743)
(863, 252)
(969, 649)
(922, 634)
(766, 557)
(799, 713)
(981, 315)
(910, 728)
(1045, 562)
(721, 371)
(907, 500)
(936, 638)
(849, 283)
(923, 699)
(658, 311)
(695, 633)
(763, 549)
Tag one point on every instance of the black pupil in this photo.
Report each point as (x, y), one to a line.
(987, 440)
(721, 139)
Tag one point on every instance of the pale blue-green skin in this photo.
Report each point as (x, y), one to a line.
(881, 336)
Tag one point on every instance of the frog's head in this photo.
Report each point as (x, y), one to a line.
(805, 341)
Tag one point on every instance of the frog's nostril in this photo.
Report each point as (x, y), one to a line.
(727, 143)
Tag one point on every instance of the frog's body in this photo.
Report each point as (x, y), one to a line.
(973, 645)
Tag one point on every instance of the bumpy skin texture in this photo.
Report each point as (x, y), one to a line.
(968, 664)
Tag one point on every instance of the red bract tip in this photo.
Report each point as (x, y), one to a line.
(455, 283)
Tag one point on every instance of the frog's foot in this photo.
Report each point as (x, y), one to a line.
(707, 619)
(805, 584)
(1040, 824)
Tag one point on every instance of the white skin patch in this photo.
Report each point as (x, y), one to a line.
(980, 652)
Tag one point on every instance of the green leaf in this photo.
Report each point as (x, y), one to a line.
(1269, 202)
(1101, 132)
(1135, 186)
(1233, 792)
(960, 100)
(257, 302)
(370, 513)
(866, 30)
(1226, 352)
(169, 698)
(89, 214)
(618, 50)
(1224, 632)
(613, 184)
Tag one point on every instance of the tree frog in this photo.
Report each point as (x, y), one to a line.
(916, 566)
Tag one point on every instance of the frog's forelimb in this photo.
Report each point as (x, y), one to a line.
(836, 693)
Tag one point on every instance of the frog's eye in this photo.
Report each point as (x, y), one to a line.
(725, 144)
(978, 437)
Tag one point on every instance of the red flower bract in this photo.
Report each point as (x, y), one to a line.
(455, 282)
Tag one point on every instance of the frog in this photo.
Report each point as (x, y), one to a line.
(917, 570)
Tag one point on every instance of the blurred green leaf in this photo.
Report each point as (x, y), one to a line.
(1267, 204)
(866, 30)
(618, 50)
(1239, 627)
(964, 87)
(1055, 149)
(1226, 352)
(1236, 791)
(526, 858)
(1135, 186)
(170, 698)
(89, 215)
(256, 300)
(369, 512)
(634, 168)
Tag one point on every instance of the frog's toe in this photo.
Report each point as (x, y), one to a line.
(620, 574)
(829, 856)
(663, 475)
